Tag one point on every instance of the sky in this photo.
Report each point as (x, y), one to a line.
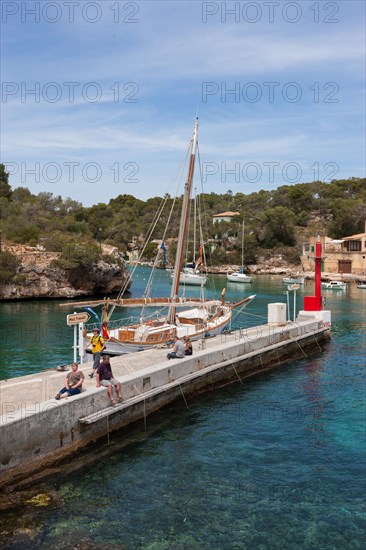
(99, 98)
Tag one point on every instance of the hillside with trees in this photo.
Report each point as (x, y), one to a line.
(276, 222)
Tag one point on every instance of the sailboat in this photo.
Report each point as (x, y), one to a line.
(177, 316)
(240, 276)
(191, 276)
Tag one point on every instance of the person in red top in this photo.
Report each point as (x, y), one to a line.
(105, 378)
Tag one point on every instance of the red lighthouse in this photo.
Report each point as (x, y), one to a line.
(314, 303)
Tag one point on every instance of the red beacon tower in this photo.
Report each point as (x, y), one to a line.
(313, 305)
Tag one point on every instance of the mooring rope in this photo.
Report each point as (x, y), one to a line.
(185, 401)
(232, 364)
(143, 397)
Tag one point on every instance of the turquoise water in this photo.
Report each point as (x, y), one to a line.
(275, 463)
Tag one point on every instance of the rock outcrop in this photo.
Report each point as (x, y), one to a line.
(38, 277)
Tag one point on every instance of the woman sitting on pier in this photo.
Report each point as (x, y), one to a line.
(188, 350)
(73, 383)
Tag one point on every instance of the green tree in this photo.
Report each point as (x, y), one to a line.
(5, 189)
(150, 251)
(9, 265)
(348, 218)
(279, 227)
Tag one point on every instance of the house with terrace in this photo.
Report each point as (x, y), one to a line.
(346, 255)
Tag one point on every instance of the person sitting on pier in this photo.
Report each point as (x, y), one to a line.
(105, 378)
(178, 349)
(73, 383)
(188, 350)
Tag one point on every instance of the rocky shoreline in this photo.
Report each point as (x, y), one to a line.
(41, 280)
(288, 271)
(265, 268)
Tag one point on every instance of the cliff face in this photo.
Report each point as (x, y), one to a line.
(38, 278)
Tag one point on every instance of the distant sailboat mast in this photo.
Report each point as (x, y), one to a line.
(242, 247)
(183, 225)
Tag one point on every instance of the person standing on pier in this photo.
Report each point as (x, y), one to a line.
(73, 383)
(105, 378)
(98, 345)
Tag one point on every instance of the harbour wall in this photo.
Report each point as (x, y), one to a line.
(41, 434)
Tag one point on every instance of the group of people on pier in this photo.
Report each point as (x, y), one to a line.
(102, 369)
(180, 348)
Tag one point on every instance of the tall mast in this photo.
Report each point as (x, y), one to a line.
(194, 232)
(183, 226)
(242, 247)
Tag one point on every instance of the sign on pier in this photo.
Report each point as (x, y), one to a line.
(76, 318)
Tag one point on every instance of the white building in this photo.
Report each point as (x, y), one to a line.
(224, 217)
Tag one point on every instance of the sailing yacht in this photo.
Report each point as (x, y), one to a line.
(240, 276)
(177, 316)
(190, 276)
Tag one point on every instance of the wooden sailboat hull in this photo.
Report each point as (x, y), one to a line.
(144, 337)
(196, 323)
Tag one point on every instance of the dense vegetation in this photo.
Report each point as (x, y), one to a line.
(276, 221)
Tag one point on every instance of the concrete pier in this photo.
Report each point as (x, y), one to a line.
(37, 431)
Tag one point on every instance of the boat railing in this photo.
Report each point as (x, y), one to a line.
(117, 323)
(125, 321)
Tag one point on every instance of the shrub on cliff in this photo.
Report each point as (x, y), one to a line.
(9, 265)
(78, 255)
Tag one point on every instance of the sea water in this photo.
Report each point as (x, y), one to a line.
(277, 462)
